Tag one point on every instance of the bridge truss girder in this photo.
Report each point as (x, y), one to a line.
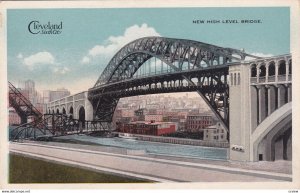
(21, 104)
(55, 125)
(211, 85)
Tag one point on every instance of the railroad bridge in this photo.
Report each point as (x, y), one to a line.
(250, 95)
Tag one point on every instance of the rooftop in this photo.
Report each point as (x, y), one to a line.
(150, 123)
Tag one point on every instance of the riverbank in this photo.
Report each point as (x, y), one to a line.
(182, 141)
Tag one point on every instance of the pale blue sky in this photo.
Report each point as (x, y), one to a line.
(75, 58)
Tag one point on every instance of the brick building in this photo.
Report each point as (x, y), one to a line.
(140, 114)
(198, 122)
(13, 117)
(153, 118)
(123, 115)
(52, 95)
(148, 128)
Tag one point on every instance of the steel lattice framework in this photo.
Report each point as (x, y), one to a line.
(54, 125)
(47, 124)
(21, 104)
(206, 63)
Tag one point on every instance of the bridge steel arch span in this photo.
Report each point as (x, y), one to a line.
(263, 138)
(128, 59)
(201, 58)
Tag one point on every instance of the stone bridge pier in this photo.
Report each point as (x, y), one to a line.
(261, 109)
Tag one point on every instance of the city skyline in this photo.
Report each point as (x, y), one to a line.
(46, 96)
(70, 58)
(20, 84)
(28, 89)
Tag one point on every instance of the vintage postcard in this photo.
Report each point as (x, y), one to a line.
(149, 95)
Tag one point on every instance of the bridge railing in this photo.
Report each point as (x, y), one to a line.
(271, 79)
(281, 78)
(178, 85)
(262, 79)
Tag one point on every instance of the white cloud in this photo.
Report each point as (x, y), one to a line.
(85, 60)
(43, 59)
(40, 58)
(262, 54)
(114, 43)
(20, 56)
(61, 70)
(104, 49)
(259, 55)
(82, 84)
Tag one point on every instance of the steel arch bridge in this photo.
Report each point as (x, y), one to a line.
(191, 66)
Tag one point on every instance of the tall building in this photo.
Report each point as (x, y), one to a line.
(32, 94)
(30, 86)
(49, 95)
(46, 96)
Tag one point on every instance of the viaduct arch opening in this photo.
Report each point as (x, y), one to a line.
(272, 140)
(277, 144)
(81, 116)
(71, 112)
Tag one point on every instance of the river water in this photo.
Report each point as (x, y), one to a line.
(155, 147)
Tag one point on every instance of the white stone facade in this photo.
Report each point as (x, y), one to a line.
(215, 133)
(72, 103)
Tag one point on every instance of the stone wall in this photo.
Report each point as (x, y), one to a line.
(181, 141)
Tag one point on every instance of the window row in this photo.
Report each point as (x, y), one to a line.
(235, 79)
(199, 122)
(262, 69)
(197, 117)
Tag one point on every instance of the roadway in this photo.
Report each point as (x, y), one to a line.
(141, 166)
